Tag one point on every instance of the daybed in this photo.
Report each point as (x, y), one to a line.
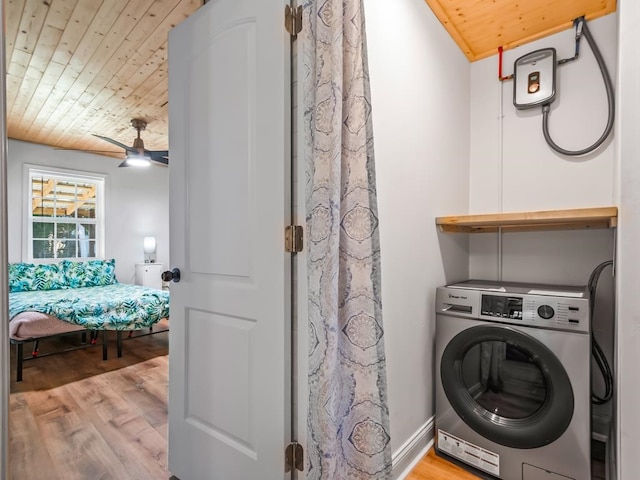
(50, 300)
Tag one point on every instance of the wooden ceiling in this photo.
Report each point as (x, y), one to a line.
(77, 67)
(479, 27)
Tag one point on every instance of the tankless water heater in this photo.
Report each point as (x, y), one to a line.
(534, 79)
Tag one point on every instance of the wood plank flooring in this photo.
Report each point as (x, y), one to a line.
(77, 417)
(432, 467)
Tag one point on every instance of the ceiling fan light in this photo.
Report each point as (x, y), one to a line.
(138, 161)
(138, 156)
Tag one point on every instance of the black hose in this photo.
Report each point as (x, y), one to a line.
(610, 100)
(596, 351)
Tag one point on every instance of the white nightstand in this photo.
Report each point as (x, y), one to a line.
(149, 275)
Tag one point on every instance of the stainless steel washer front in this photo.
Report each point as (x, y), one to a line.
(513, 379)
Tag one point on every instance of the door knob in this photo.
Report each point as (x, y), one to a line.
(171, 275)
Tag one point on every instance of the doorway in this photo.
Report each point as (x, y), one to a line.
(299, 332)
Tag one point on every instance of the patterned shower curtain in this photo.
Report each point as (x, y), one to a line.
(348, 421)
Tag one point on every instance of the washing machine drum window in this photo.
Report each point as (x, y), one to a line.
(507, 386)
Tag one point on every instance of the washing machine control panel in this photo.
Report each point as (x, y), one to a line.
(545, 308)
(501, 306)
(536, 310)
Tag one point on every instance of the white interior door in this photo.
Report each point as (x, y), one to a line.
(229, 137)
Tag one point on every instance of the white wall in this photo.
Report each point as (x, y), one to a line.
(513, 169)
(628, 270)
(420, 102)
(137, 202)
(517, 170)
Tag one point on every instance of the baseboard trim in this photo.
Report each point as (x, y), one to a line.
(411, 452)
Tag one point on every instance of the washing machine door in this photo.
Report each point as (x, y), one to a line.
(507, 386)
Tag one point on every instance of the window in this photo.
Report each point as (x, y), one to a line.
(65, 217)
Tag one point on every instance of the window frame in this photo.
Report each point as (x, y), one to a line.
(100, 180)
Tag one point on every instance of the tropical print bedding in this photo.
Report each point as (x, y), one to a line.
(27, 277)
(112, 307)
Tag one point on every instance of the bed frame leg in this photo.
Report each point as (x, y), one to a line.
(104, 345)
(20, 360)
(119, 343)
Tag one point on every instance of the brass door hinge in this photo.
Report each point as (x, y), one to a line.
(294, 457)
(293, 20)
(293, 238)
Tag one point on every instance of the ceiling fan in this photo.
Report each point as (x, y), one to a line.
(137, 155)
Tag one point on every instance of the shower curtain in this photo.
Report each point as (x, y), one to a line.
(348, 421)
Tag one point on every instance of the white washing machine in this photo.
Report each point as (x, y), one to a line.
(513, 379)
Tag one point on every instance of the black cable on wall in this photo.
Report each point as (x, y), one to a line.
(610, 101)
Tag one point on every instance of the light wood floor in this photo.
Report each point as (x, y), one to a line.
(432, 467)
(77, 417)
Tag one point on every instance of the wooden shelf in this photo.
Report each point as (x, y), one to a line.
(582, 218)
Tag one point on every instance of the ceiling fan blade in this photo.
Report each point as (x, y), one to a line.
(160, 156)
(87, 151)
(138, 155)
(115, 142)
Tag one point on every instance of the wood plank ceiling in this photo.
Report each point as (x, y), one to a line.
(479, 27)
(77, 67)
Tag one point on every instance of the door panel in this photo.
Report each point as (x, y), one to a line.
(221, 126)
(229, 136)
(222, 404)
